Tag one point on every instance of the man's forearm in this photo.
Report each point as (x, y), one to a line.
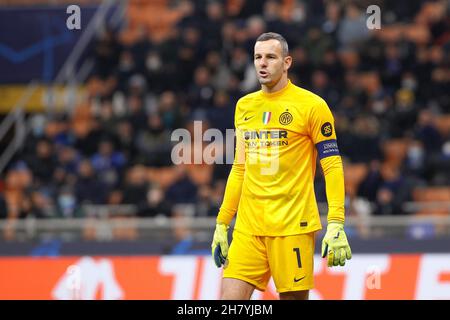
(232, 194)
(335, 189)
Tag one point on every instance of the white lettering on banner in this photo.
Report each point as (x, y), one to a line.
(429, 285)
(257, 295)
(314, 294)
(356, 271)
(90, 276)
(210, 281)
(73, 281)
(184, 270)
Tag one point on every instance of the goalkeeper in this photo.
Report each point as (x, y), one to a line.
(281, 130)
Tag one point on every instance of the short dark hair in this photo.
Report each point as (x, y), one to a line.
(272, 35)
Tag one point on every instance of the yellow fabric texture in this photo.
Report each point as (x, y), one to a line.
(289, 260)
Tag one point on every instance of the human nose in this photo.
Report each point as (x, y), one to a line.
(262, 62)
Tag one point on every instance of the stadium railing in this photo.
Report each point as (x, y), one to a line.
(119, 222)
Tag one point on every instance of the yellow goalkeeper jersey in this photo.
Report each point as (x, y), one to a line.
(279, 137)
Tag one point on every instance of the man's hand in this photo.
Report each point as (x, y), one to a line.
(219, 245)
(335, 244)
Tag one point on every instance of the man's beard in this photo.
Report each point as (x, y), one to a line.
(270, 82)
(264, 81)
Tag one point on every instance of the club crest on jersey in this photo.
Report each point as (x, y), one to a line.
(266, 117)
(285, 118)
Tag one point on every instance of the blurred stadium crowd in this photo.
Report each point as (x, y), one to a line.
(180, 61)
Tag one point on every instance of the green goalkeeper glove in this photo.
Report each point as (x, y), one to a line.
(335, 244)
(219, 246)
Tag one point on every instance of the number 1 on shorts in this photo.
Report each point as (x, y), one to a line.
(299, 260)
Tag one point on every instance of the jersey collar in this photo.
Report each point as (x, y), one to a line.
(276, 93)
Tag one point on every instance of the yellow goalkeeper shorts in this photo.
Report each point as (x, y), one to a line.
(289, 260)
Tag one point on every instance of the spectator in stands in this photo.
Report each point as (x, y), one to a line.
(201, 93)
(106, 117)
(66, 204)
(386, 204)
(427, 132)
(126, 68)
(153, 142)
(352, 30)
(156, 204)
(222, 115)
(42, 163)
(125, 135)
(211, 26)
(170, 111)
(88, 189)
(402, 117)
(86, 142)
(36, 203)
(156, 73)
(184, 191)
(137, 114)
(189, 55)
(108, 163)
(393, 192)
(107, 52)
(135, 187)
(68, 159)
(219, 71)
(316, 44)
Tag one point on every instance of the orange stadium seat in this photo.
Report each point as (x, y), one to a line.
(442, 123)
(155, 17)
(395, 151)
(440, 196)
(164, 177)
(353, 175)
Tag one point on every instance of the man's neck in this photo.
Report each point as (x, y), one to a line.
(283, 82)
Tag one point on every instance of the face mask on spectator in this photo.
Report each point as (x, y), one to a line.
(409, 83)
(66, 203)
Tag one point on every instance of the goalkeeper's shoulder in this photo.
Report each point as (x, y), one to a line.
(308, 100)
(249, 98)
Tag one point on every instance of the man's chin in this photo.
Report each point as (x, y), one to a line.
(265, 81)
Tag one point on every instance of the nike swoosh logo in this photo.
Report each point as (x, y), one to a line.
(248, 118)
(297, 280)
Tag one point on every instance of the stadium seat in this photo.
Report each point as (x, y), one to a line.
(443, 125)
(394, 152)
(353, 175)
(437, 197)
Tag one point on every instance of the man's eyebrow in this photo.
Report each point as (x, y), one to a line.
(267, 54)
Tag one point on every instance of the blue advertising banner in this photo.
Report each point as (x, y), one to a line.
(34, 42)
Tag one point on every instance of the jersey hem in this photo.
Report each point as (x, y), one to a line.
(280, 235)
